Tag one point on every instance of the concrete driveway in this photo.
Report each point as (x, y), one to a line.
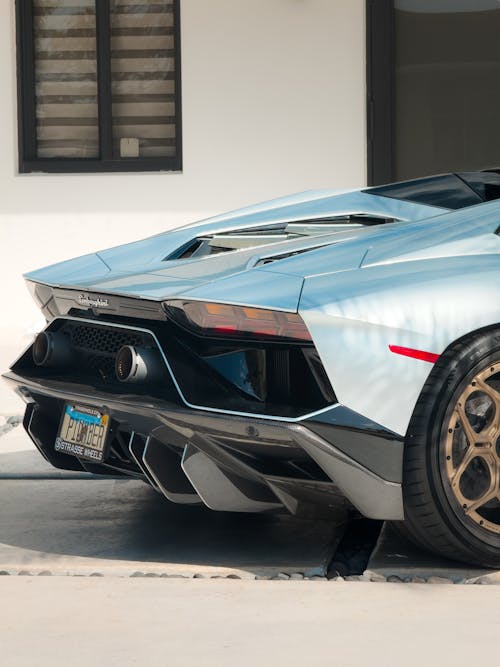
(70, 523)
(112, 622)
(171, 584)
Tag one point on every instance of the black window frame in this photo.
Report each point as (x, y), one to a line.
(380, 102)
(28, 160)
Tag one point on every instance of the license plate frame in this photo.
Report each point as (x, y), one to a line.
(83, 432)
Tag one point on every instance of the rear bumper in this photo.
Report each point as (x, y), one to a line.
(331, 463)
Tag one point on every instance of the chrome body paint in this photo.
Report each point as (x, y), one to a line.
(140, 269)
(359, 289)
(422, 283)
(423, 287)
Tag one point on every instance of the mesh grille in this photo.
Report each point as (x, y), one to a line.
(101, 340)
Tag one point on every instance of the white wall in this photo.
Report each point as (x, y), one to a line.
(273, 102)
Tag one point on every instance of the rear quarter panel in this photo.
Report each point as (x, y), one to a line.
(428, 304)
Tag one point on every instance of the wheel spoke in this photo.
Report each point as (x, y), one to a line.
(491, 494)
(460, 469)
(470, 434)
(473, 432)
(494, 433)
(486, 388)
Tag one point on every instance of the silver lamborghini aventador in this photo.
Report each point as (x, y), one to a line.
(328, 354)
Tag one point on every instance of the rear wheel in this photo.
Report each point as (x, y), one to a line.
(451, 479)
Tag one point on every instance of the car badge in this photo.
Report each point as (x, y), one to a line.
(93, 302)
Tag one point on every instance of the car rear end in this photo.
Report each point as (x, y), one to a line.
(210, 403)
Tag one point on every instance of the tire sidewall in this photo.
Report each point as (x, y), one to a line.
(455, 375)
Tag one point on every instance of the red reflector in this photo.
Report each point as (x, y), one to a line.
(414, 354)
(223, 330)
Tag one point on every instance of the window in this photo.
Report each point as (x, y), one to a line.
(433, 87)
(99, 85)
(448, 191)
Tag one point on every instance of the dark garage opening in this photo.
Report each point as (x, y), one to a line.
(433, 87)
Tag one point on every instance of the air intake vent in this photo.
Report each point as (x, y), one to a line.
(286, 255)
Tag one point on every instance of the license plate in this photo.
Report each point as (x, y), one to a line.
(83, 432)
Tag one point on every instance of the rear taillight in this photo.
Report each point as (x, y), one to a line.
(222, 320)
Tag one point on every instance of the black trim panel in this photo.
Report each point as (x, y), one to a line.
(246, 462)
(368, 443)
(268, 441)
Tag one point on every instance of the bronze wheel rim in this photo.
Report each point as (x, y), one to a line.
(472, 450)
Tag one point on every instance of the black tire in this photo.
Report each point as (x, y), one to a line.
(434, 519)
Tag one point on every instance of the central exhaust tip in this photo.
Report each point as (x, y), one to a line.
(137, 364)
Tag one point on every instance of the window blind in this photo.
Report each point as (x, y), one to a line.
(143, 78)
(66, 78)
(99, 86)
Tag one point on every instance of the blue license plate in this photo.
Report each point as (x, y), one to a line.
(83, 433)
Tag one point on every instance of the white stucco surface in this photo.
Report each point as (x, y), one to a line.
(273, 97)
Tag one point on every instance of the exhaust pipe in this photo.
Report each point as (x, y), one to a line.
(138, 364)
(52, 349)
